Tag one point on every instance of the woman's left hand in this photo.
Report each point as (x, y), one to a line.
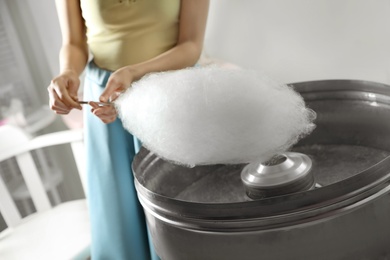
(118, 83)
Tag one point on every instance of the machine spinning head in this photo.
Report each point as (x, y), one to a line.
(283, 174)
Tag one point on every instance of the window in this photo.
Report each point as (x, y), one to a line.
(15, 79)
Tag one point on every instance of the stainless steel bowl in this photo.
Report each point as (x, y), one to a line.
(204, 212)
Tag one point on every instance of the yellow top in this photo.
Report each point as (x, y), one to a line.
(125, 32)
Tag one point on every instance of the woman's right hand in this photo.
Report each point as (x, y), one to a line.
(63, 92)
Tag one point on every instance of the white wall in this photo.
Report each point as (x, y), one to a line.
(301, 40)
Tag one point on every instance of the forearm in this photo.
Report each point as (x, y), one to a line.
(74, 58)
(183, 55)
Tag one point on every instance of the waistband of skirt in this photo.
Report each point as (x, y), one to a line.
(98, 75)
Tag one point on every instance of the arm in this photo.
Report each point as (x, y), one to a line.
(74, 50)
(73, 57)
(193, 17)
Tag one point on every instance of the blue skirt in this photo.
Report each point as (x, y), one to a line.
(118, 224)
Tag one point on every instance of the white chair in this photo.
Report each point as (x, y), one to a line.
(52, 175)
(60, 232)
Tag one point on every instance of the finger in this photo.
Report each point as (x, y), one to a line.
(62, 112)
(100, 115)
(104, 111)
(93, 104)
(115, 95)
(73, 88)
(104, 114)
(108, 121)
(105, 117)
(100, 104)
(63, 94)
(56, 104)
(112, 90)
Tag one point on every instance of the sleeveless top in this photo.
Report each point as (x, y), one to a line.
(125, 32)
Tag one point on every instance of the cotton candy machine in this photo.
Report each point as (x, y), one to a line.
(327, 198)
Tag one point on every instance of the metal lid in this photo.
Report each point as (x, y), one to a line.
(288, 168)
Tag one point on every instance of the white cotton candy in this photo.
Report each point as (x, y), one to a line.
(214, 115)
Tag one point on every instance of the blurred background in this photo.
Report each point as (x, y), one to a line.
(291, 40)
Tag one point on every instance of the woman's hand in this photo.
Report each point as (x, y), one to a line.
(63, 92)
(118, 83)
(106, 113)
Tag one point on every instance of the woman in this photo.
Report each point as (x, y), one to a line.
(127, 39)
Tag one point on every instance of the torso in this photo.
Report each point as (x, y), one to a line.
(125, 32)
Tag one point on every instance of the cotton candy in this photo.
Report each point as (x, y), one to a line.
(214, 115)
